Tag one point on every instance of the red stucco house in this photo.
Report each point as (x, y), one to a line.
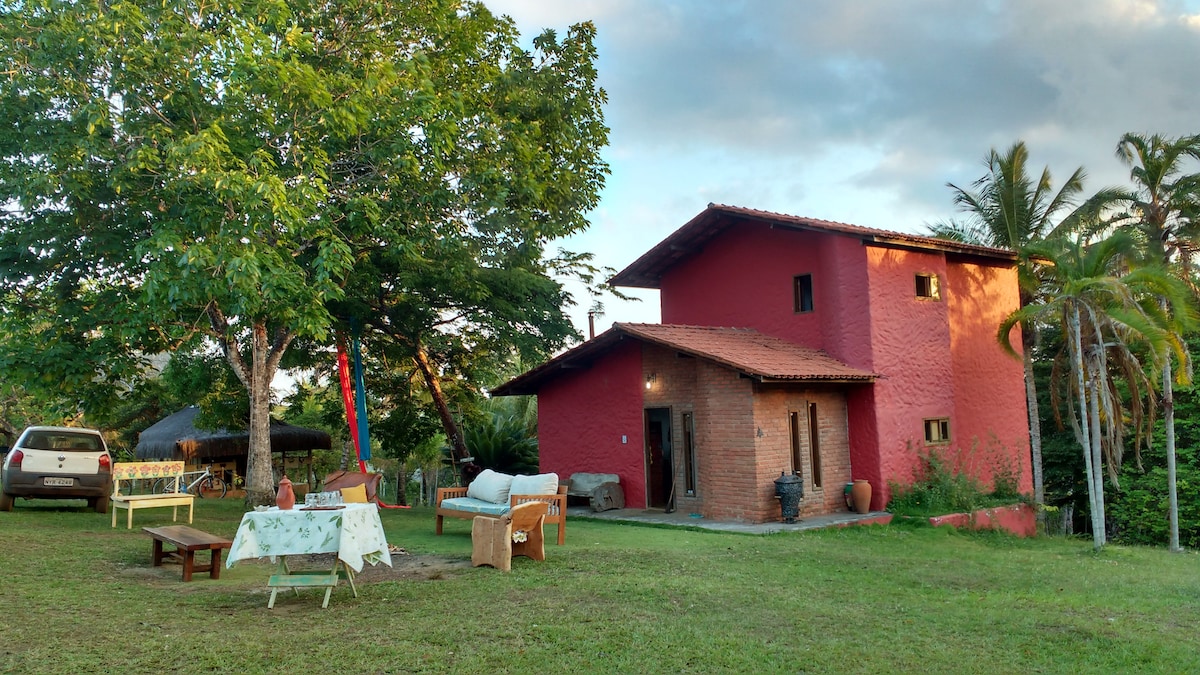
(788, 343)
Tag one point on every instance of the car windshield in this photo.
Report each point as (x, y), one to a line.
(62, 440)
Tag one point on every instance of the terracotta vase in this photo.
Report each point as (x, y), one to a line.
(861, 494)
(285, 499)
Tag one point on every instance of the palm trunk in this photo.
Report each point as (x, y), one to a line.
(1085, 421)
(1100, 532)
(1035, 441)
(1168, 403)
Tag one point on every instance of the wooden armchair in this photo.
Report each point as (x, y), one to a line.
(492, 538)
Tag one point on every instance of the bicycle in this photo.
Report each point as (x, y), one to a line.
(206, 481)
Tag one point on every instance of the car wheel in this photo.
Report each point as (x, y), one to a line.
(100, 504)
(6, 501)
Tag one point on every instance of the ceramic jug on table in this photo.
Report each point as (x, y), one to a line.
(285, 499)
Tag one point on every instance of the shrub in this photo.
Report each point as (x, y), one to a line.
(1006, 479)
(503, 444)
(940, 488)
(1138, 513)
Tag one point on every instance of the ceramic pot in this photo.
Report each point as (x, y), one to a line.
(861, 494)
(285, 499)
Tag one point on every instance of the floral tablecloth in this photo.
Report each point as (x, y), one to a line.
(354, 533)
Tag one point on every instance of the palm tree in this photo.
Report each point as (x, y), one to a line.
(1162, 211)
(1007, 209)
(1102, 315)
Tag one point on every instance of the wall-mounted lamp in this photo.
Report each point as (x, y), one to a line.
(650, 379)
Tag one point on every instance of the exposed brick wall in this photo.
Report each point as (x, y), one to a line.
(773, 407)
(742, 438)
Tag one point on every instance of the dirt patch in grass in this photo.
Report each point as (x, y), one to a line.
(404, 567)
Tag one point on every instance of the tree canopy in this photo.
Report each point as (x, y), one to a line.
(247, 174)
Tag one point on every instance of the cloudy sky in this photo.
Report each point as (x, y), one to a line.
(860, 111)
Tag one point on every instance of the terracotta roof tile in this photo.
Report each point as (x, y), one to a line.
(742, 349)
(747, 351)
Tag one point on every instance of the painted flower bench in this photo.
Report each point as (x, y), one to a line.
(128, 472)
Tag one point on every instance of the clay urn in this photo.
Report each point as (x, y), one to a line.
(285, 499)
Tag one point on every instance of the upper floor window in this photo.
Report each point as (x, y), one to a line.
(937, 430)
(802, 293)
(927, 287)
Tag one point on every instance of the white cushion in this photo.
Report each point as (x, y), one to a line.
(541, 484)
(490, 486)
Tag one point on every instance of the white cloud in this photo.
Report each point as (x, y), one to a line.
(862, 111)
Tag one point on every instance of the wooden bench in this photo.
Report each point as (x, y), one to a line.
(125, 473)
(187, 541)
(556, 505)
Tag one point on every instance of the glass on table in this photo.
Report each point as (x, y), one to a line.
(310, 499)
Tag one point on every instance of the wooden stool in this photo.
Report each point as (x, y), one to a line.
(492, 538)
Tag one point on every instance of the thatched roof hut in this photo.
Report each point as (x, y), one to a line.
(176, 437)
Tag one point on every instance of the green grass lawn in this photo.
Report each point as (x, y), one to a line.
(80, 597)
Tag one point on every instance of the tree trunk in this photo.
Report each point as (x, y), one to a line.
(260, 484)
(1085, 418)
(402, 484)
(256, 378)
(458, 447)
(1035, 441)
(1100, 533)
(1168, 403)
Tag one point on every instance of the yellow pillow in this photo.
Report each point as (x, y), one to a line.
(355, 495)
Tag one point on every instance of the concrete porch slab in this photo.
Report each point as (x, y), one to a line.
(681, 519)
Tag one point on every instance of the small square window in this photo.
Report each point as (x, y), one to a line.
(802, 293)
(937, 430)
(927, 287)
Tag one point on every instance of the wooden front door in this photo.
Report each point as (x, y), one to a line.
(658, 457)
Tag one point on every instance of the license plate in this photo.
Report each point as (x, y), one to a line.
(58, 482)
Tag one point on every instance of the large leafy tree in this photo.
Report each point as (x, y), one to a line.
(194, 171)
(460, 280)
(1008, 208)
(1163, 212)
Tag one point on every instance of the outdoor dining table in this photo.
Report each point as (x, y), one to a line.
(352, 531)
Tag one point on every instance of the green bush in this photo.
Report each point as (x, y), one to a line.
(503, 444)
(1137, 514)
(939, 488)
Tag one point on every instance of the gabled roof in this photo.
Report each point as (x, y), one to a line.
(747, 351)
(647, 271)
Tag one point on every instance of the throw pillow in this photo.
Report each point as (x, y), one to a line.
(355, 495)
(541, 484)
(490, 486)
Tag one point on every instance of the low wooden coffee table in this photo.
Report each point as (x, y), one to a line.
(188, 540)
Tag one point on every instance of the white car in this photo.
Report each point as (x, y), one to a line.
(58, 463)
